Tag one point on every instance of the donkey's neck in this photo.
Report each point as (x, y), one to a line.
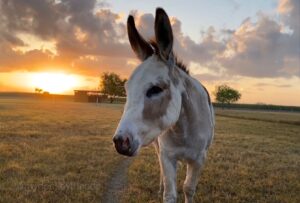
(195, 111)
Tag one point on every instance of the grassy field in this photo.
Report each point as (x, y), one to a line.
(62, 151)
(58, 151)
(249, 161)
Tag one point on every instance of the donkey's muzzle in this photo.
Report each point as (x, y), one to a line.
(125, 145)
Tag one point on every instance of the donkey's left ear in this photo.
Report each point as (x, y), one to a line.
(141, 47)
(163, 33)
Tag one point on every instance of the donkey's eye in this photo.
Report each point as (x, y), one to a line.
(154, 90)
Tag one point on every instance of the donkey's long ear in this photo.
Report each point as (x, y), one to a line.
(163, 33)
(141, 48)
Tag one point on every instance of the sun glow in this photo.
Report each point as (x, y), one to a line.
(55, 83)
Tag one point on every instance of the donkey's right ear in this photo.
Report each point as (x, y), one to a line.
(141, 47)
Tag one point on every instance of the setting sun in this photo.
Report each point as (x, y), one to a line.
(55, 83)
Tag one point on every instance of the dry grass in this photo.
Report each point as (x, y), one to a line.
(62, 152)
(58, 151)
(249, 161)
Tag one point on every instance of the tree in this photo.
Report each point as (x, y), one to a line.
(112, 85)
(225, 94)
(38, 90)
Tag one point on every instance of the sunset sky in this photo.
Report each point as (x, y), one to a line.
(61, 45)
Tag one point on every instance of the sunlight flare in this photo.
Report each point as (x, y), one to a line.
(55, 83)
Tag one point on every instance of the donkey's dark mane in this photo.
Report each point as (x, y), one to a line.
(178, 62)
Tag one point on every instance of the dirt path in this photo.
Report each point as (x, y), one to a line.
(117, 182)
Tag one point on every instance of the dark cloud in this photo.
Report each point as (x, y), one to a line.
(7, 38)
(77, 28)
(265, 48)
(89, 38)
(255, 49)
(202, 52)
(184, 46)
(34, 16)
(290, 12)
(261, 50)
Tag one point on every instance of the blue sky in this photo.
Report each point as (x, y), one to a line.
(197, 16)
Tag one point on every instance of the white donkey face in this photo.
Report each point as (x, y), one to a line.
(153, 100)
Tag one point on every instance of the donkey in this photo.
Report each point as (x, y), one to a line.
(167, 107)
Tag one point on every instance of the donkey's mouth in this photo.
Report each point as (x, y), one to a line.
(127, 146)
(130, 152)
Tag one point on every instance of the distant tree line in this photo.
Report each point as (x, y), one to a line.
(112, 85)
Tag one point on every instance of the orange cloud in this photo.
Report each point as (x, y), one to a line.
(82, 38)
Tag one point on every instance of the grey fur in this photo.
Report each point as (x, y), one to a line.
(179, 120)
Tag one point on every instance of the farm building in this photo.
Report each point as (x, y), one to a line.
(88, 96)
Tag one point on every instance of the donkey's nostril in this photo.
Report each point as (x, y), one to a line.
(118, 141)
(115, 139)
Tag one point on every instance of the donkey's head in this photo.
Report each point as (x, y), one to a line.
(153, 97)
